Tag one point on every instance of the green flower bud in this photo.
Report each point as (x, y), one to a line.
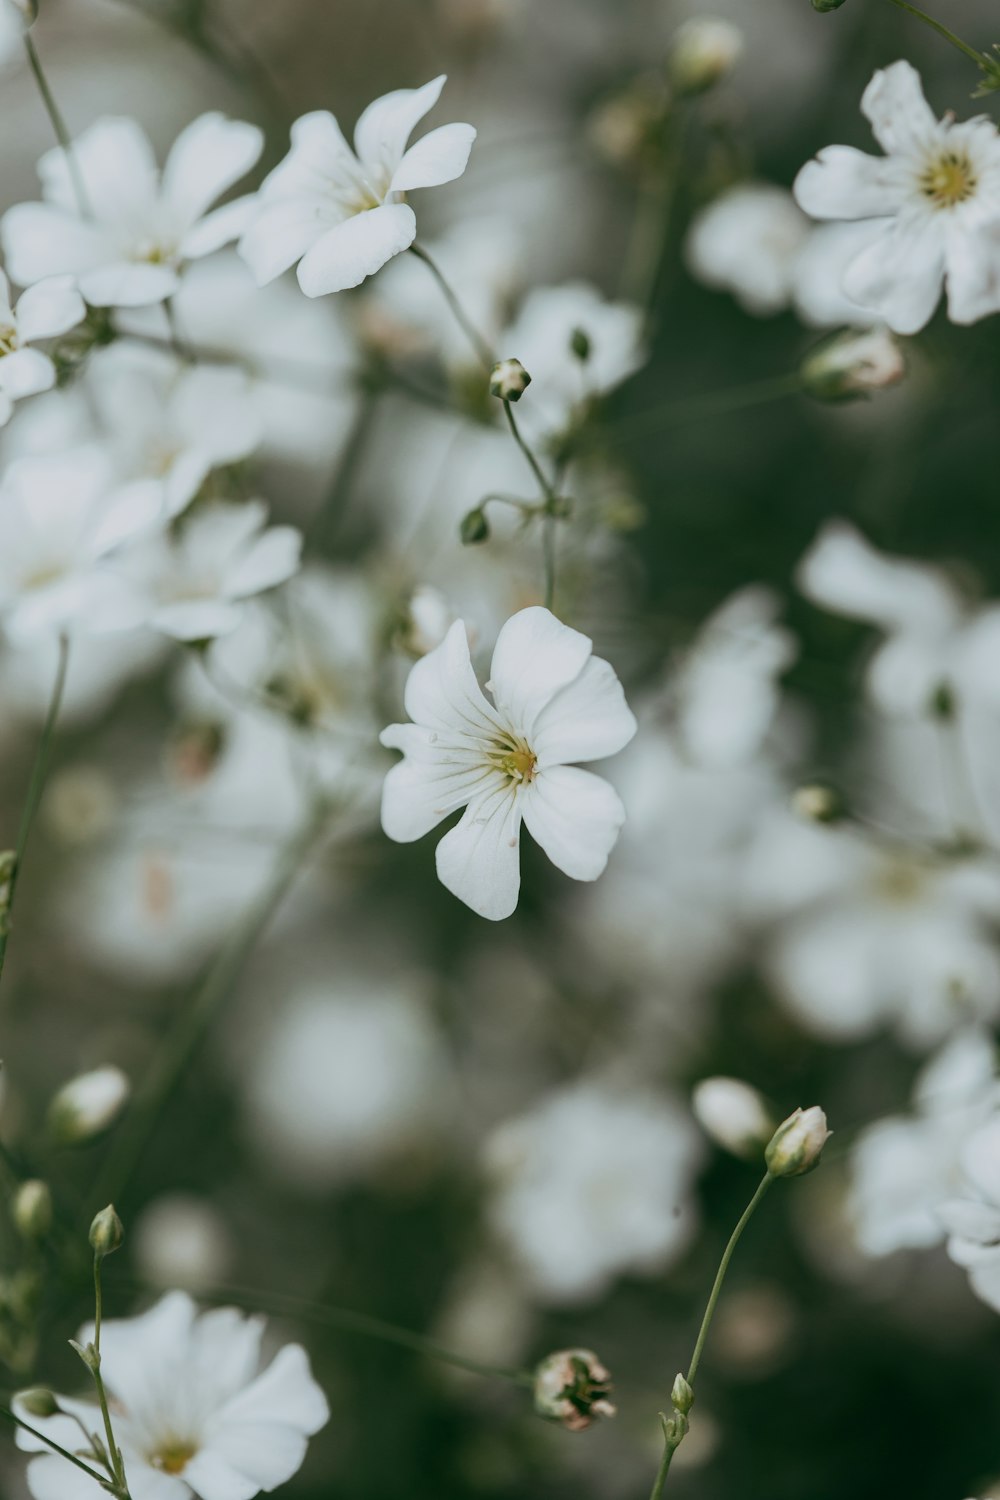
(581, 345)
(825, 5)
(106, 1233)
(37, 1402)
(682, 1395)
(509, 380)
(797, 1144)
(474, 528)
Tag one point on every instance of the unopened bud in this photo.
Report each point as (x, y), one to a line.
(733, 1114)
(32, 1209)
(682, 1395)
(509, 380)
(704, 51)
(581, 345)
(474, 527)
(36, 1402)
(572, 1387)
(106, 1232)
(797, 1144)
(852, 365)
(816, 803)
(87, 1105)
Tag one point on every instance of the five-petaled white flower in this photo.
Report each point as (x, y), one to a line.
(555, 703)
(191, 1414)
(119, 226)
(341, 213)
(42, 312)
(936, 193)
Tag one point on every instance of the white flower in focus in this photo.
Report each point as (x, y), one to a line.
(972, 1218)
(555, 703)
(936, 193)
(198, 581)
(747, 242)
(192, 1416)
(44, 311)
(341, 212)
(128, 242)
(592, 1183)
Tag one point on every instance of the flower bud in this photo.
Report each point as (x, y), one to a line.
(87, 1105)
(705, 49)
(682, 1395)
(572, 1387)
(509, 380)
(474, 527)
(580, 344)
(816, 803)
(32, 1209)
(825, 5)
(853, 364)
(37, 1402)
(797, 1144)
(106, 1233)
(733, 1114)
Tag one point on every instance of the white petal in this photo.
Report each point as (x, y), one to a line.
(220, 227)
(268, 1453)
(536, 656)
(843, 572)
(586, 720)
(49, 308)
(127, 284)
(981, 1161)
(133, 1348)
(52, 1478)
(900, 275)
(206, 160)
(285, 1393)
(212, 1477)
(978, 1222)
(442, 692)
(197, 619)
(479, 861)
(272, 559)
(383, 129)
(985, 1282)
(843, 183)
(6, 408)
(576, 817)
(279, 236)
(41, 241)
(118, 168)
(319, 159)
(357, 248)
(25, 373)
(433, 781)
(441, 156)
(901, 119)
(972, 259)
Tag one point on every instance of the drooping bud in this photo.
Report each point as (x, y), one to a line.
(474, 527)
(572, 1387)
(733, 1114)
(509, 380)
(32, 1209)
(852, 365)
(705, 49)
(797, 1144)
(87, 1105)
(106, 1233)
(816, 803)
(36, 1402)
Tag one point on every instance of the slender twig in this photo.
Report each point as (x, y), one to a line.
(58, 124)
(979, 58)
(114, 1452)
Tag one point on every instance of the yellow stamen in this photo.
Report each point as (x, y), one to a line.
(948, 180)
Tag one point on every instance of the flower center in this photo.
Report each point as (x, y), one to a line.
(901, 883)
(8, 339)
(173, 1457)
(516, 760)
(948, 179)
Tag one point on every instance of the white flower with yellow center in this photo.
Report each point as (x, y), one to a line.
(43, 312)
(191, 1414)
(509, 762)
(936, 196)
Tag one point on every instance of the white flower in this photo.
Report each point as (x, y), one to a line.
(733, 1114)
(88, 1104)
(972, 1219)
(180, 1240)
(936, 193)
(704, 50)
(591, 1183)
(341, 213)
(192, 1416)
(198, 580)
(554, 704)
(746, 242)
(43, 312)
(127, 243)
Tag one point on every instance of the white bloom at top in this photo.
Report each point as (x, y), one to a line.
(198, 580)
(341, 212)
(44, 311)
(508, 762)
(127, 243)
(972, 1218)
(746, 242)
(192, 1415)
(936, 195)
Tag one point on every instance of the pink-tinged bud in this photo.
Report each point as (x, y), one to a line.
(572, 1387)
(797, 1144)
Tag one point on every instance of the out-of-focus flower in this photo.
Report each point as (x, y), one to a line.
(797, 1145)
(591, 1183)
(747, 242)
(341, 213)
(972, 1218)
(429, 617)
(31, 1209)
(44, 311)
(936, 192)
(572, 1387)
(87, 1105)
(853, 365)
(197, 581)
(555, 703)
(181, 1241)
(704, 50)
(904, 1167)
(734, 1115)
(15, 18)
(127, 241)
(191, 1416)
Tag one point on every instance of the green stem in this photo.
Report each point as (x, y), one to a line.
(58, 124)
(114, 1452)
(673, 1439)
(481, 345)
(35, 788)
(193, 1022)
(715, 404)
(10, 1416)
(956, 41)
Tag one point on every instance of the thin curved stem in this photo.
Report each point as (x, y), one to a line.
(58, 124)
(979, 58)
(78, 1463)
(481, 345)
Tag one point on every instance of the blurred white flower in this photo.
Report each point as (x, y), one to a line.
(853, 364)
(555, 703)
(127, 243)
(180, 1240)
(44, 311)
(733, 1114)
(197, 580)
(428, 619)
(972, 1217)
(904, 1167)
(341, 213)
(704, 50)
(936, 193)
(191, 1414)
(747, 242)
(88, 1104)
(593, 1182)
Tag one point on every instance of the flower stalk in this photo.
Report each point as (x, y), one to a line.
(987, 65)
(58, 124)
